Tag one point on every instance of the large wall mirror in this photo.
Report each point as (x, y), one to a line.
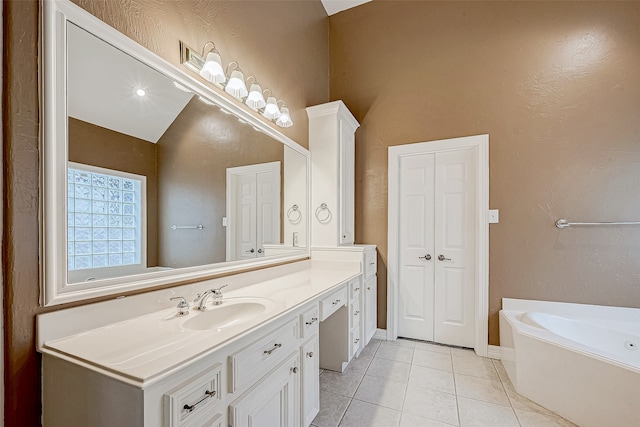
(150, 176)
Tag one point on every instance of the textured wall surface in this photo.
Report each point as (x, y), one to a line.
(554, 84)
(292, 60)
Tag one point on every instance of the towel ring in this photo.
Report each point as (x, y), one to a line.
(327, 217)
(296, 218)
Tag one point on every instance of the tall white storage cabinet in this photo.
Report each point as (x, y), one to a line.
(332, 130)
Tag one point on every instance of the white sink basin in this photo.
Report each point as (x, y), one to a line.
(232, 312)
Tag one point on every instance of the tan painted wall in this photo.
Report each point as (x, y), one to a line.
(97, 146)
(554, 84)
(239, 30)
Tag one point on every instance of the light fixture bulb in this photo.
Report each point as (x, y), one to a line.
(285, 119)
(140, 92)
(236, 86)
(255, 99)
(212, 68)
(271, 110)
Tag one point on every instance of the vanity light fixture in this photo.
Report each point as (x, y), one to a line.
(211, 69)
(236, 86)
(271, 110)
(255, 99)
(285, 119)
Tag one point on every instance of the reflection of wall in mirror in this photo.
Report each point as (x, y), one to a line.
(193, 155)
(97, 146)
(295, 193)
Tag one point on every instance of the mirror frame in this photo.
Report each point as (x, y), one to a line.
(53, 188)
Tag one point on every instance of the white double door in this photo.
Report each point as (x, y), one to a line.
(254, 209)
(437, 211)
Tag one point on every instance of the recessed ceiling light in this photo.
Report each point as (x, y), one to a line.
(140, 92)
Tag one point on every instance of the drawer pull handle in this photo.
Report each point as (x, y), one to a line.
(336, 302)
(356, 289)
(295, 369)
(310, 354)
(371, 263)
(356, 313)
(313, 320)
(357, 341)
(191, 408)
(275, 347)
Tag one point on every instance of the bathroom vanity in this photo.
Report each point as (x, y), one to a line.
(252, 360)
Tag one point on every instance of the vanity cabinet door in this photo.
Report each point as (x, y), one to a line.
(347, 183)
(274, 401)
(370, 308)
(310, 380)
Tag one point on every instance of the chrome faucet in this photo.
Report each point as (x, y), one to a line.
(201, 299)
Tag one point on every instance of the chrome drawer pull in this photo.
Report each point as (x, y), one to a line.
(191, 408)
(313, 320)
(371, 263)
(357, 341)
(356, 289)
(356, 313)
(336, 302)
(275, 347)
(310, 354)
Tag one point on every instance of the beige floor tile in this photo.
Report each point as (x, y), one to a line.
(344, 384)
(332, 408)
(370, 349)
(359, 364)
(433, 360)
(431, 404)
(402, 342)
(534, 419)
(434, 379)
(474, 413)
(463, 352)
(475, 366)
(380, 391)
(388, 369)
(395, 352)
(487, 390)
(410, 420)
(433, 347)
(360, 414)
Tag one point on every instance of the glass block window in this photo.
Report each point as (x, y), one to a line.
(104, 218)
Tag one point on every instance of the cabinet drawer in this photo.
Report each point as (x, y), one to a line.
(193, 399)
(355, 288)
(309, 322)
(355, 313)
(370, 264)
(251, 363)
(332, 303)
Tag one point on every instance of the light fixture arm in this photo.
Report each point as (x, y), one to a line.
(205, 51)
(235, 65)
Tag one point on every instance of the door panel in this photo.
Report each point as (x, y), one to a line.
(246, 224)
(454, 239)
(415, 317)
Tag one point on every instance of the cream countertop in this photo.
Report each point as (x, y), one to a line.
(144, 349)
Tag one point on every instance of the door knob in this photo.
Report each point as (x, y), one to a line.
(250, 251)
(426, 257)
(442, 258)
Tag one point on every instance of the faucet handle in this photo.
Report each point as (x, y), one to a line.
(183, 306)
(217, 290)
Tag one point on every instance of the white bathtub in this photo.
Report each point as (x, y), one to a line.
(580, 361)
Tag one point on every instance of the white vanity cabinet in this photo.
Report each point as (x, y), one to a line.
(332, 144)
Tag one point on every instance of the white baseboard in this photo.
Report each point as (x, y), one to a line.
(494, 352)
(381, 334)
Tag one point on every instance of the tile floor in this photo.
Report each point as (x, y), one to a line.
(416, 384)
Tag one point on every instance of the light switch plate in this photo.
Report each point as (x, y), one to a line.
(494, 216)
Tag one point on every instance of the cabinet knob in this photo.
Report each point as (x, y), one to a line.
(368, 288)
(295, 369)
(310, 354)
